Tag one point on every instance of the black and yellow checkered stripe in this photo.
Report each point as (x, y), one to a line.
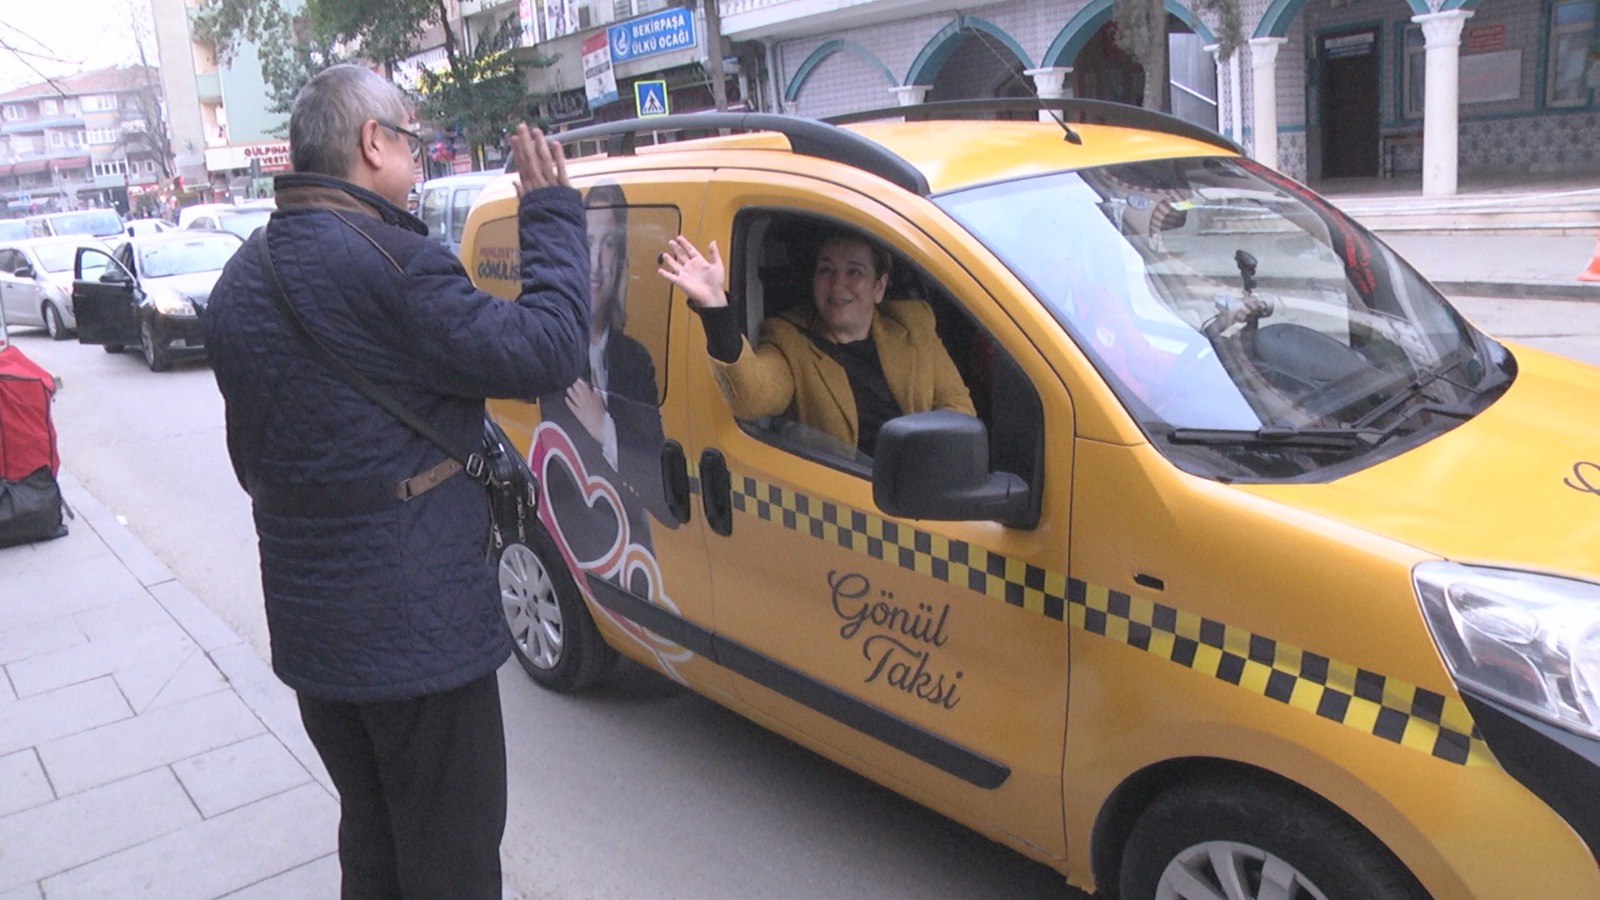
(1384, 707)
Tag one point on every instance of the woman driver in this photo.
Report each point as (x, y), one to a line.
(845, 365)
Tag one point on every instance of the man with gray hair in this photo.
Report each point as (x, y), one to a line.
(381, 604)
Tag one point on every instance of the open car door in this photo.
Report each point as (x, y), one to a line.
(105, 297)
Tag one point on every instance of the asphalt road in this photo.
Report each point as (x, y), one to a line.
(639, 788)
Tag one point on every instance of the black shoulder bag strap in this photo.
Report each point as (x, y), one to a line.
(511, 497)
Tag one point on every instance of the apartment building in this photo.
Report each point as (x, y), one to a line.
(75, 142)
(225, 132)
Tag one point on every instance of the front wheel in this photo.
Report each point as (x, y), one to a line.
(154, 357)
(552, 634)
(1240, 840)
(54, 324)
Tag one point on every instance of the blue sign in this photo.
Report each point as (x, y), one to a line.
(662, 32)
(651, 98)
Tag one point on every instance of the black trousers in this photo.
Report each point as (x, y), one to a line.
(422, 792)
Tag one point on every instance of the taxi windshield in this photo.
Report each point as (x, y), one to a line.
(1253, 331)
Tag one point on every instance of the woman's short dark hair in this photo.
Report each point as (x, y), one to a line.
(881, 260)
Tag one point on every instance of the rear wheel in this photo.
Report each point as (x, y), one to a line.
(552, 634)
(1241, 840)
(54, 324)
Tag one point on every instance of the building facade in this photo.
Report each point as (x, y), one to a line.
(1322, 89)
(74, 143)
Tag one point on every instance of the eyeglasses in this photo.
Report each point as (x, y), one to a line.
(417, 140)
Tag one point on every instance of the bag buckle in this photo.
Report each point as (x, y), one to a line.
(477, 467)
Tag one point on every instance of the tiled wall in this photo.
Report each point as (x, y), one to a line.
(1564, 143)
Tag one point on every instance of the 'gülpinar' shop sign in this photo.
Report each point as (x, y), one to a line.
(273, 156)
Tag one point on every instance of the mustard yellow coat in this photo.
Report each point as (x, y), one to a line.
(789, 374)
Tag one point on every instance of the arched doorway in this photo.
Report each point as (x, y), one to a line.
(1104, 71)
(980, 67)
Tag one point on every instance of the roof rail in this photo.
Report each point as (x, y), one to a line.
(1071, 109)
(807, 137)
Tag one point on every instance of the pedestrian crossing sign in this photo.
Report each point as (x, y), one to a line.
(651, 97)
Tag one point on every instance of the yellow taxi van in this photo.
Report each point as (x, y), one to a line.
(1259, 572)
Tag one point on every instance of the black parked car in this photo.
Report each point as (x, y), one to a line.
(150, 291)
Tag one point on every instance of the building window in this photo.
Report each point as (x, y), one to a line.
(111, 167)
(48, 107)
(1571, 24)
(1413, 70)
(11, 112)
(149, 167)
(99, 102)
(57, 140)
(104, 135)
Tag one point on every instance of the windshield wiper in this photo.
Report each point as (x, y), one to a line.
(1421, 383)
(1278, 436)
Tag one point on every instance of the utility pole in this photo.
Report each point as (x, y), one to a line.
(719, 79)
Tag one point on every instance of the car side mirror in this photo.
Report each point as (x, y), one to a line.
(24, 271)
(935, 465)
(114, 275)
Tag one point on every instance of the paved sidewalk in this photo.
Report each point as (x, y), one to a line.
(1502, 265)
(145, 750)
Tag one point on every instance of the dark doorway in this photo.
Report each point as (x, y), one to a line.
(1349, 113)
(981, 67)
(1104, 71)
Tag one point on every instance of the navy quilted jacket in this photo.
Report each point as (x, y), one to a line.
(401, 602)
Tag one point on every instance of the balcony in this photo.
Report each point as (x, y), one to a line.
(209, 87)
(38, 126)
(744, 20)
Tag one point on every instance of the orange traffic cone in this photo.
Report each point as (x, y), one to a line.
(1593, 272)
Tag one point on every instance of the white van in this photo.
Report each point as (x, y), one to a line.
(445, 203)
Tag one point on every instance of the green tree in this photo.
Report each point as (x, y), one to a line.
(483, 93)
(480, 92)
(289, 51)
(1141, 32)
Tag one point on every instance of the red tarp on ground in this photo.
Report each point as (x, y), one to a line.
(27, 436)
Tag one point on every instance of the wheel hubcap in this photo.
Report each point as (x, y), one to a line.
(147, 342)
(52, 321)
(1226, 870)
(529, 598)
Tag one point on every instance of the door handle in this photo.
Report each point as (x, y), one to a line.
(675, 480)
(716, 491)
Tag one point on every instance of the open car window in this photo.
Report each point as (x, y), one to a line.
(770, 272)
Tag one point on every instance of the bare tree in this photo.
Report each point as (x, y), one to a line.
(146, 131)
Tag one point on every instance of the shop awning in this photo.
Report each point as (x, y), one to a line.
(71, 162)
(30, 167)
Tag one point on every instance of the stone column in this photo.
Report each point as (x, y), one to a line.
(1441, 111)
(1264, 85)
(1051, 83)
(1222, 92)
(910, 94)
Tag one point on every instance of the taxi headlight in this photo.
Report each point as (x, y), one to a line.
(172, 303)
(1531, 641)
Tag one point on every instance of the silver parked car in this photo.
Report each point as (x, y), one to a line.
(36, 281)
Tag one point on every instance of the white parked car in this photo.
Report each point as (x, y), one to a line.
(36, 281)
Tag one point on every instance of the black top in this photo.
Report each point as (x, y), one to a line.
(875, 405)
